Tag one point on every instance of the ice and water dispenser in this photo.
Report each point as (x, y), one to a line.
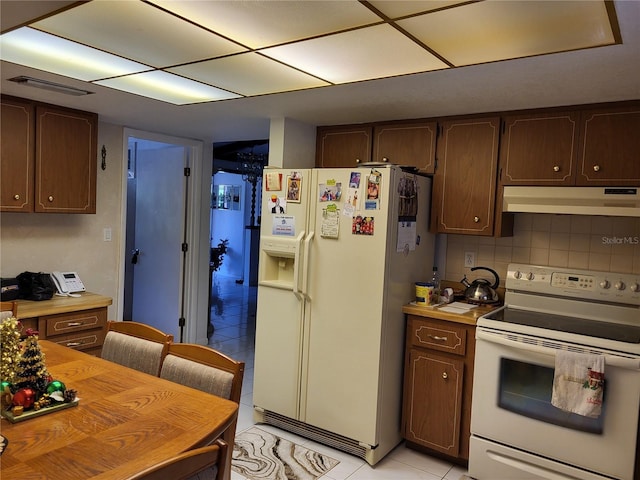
(279, 260)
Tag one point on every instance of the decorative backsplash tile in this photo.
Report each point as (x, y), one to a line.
(574, 241)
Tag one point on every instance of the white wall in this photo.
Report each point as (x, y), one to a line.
(292, 144)
(229, 224)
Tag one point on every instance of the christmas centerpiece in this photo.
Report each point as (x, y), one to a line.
(27, 388)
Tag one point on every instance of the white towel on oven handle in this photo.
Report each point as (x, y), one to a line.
(578, 383)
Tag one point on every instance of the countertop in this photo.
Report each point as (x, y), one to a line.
(468, 318)
(58, 304)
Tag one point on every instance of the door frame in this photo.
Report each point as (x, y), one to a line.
(197, 255)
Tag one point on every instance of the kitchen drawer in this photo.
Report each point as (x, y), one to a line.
(70, 323)
(441, 336)
(85, 340)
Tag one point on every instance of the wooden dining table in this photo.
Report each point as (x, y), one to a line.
(124, 422)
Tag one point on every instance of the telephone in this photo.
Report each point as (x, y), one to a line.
(67, 282)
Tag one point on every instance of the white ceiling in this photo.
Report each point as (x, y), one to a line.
(607, 73)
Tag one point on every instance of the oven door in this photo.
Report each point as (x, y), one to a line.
(513, 379)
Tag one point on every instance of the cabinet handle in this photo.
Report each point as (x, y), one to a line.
(437, 339)
(50, 198)
(74, 324)
(556, 168)
(74, 344)
(16, 197)
(385, 159)
(357, 160)
(444, 375)
(476, 219)
(596, 168)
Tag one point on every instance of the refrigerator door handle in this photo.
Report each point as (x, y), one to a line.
(305, 265)
(296, 267)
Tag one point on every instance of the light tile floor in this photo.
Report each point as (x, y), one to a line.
(233, 314)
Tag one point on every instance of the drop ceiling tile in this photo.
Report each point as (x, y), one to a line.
(491, 31)
(167, 88)
(373, 52)
(29, 47)
(401, 8)
(137, 31)
(266, 23)
(249, 74)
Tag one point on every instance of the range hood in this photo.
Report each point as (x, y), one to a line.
(611, 201)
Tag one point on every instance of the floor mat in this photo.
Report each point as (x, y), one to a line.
(260, 455)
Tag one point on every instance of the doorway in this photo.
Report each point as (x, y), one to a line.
(161, 240)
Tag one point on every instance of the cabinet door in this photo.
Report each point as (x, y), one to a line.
(16, 155)
(433, 401)
(539, 149)
(408, 144)
(343, 146)
(466, 175)
(609, 147)
(66, 160)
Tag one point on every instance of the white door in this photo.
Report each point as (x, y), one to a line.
(159, 234)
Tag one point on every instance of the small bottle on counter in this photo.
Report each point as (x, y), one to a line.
(435, 281)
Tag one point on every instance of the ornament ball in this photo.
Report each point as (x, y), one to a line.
(56, 386)
(24, 397)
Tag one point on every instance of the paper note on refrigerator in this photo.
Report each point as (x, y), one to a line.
(284, 225)
(330, 227)
(406, 236)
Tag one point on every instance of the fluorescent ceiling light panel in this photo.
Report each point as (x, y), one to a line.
(258, 24)
(400, 8)
(490, 31)
(167, 88)
(139, 32)
(249, 74)
(364, 54)
(29, 47)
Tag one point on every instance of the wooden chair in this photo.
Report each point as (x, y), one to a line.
(208, 463)
(208, 370)
(136, 345)
(8, 310)
(205, 369)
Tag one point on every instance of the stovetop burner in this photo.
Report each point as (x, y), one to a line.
(581, 326)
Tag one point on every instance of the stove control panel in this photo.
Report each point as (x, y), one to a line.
(612, 287)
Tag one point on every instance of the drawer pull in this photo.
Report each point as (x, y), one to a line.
(437, 338)
(74, 324)
(444, 375)
(74, 344)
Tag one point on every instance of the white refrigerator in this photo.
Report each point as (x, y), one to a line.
(340, 251)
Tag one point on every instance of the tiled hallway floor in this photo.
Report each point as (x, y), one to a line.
(233, 314)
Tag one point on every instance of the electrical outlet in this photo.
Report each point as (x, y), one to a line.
(470, 259)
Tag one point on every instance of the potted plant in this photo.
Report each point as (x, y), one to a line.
(217, 253)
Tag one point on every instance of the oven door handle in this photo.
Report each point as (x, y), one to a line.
(613, 360)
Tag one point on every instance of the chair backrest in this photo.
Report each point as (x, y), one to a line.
(8, 310)
(136, 345)
(211, 459)
(204, 368)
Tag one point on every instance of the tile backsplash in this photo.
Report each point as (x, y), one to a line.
(574, 241)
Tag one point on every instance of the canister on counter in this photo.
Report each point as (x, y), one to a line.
(424, 293)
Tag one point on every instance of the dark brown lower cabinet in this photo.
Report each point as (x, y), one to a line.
(438, 380)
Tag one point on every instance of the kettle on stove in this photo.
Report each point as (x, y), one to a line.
(481, 290)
